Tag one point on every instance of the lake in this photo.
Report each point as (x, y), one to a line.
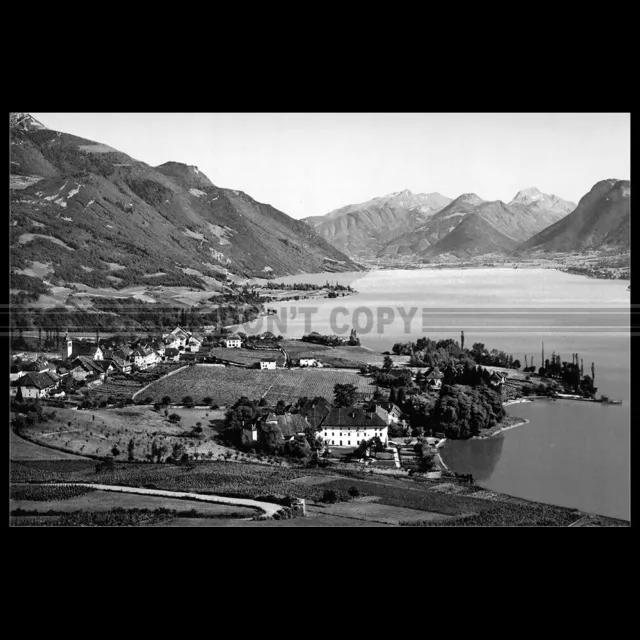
(572, 454)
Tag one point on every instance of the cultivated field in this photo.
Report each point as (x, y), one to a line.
(106, 500)
(226, 385)
(76, 431)
(247, 357)
(383, 499)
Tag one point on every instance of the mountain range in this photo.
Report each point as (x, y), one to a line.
(407, 225)
(362, 230)
(85, 213)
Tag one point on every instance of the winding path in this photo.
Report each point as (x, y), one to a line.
(268, 508)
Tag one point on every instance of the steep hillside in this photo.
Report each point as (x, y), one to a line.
(600, 221)
(474, 236)
(360, 230)
(528, 213)
(83, 212)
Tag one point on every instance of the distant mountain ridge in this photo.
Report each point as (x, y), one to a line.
(499, 227)
(601, 220)
(360, 230)
(93, 215)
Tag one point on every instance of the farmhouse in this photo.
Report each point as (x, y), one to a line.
(83, 367)
(106, 366)
(119, 364)
(348, 427)
(233, 342)
(38, 365)
(434, 379)
(288, 425)
(194, 343)
(178, 336)
(497, 379)
(307, 360)
(158, 346)
(267, 363)
(36, 385)
(124, 352)
(393, 412)
(171, 354)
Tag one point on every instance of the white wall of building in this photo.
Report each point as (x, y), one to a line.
(352, 436)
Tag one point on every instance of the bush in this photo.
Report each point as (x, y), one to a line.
(207, 400)
(174, 417)
(331, 496)
(354, 492)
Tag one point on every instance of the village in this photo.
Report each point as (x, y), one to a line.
(315, 404)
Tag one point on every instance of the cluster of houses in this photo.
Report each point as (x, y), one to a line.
(338, 427)
(92, 362)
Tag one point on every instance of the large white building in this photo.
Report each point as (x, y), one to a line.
(233, 342)
(350, 426)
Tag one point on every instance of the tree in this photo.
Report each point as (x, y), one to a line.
(297, 448)
(207, 400)
(281, 407)
(130, 450)
(177, 452)
(387, 365)
(115, 451)
(344, 395)
(166, 400)
(188, 402)
(174, 417)
(158, 450)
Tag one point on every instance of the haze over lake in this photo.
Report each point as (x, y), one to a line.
(572, 454)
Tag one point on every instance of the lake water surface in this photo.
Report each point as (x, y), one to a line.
(572, 453)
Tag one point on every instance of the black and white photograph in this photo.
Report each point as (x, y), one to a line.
(319, 319)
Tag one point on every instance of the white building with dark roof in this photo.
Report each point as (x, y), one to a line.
(350, 426)
(233, 341)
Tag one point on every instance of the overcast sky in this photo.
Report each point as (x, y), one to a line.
(311, 163)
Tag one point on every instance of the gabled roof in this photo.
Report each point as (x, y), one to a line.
(352, 417)
(434, 375)
(127, 351)
(268, 360)
(87, 364)
(234, 336)
(196, 338)
(289, 423)
(38, 380)
(399, 373)
(34, 366)
(307, 355)
(85, 348)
